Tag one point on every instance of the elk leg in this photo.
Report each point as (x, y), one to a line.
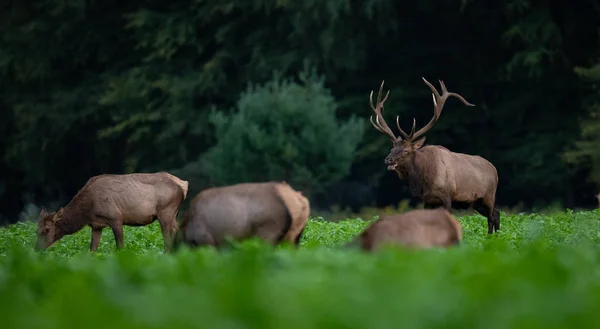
(96, 235)
(496, 216)
(167, 218)
(117, 229)
(486, 211)
(447, 204)
(269, 231)
(168, 232)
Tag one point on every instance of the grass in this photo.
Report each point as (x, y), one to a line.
(539, 271)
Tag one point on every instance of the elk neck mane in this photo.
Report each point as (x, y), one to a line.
(76, 211)
(421, 169)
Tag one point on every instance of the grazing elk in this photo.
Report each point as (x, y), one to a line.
(441, 178)
(272, 211)
(422, 228)
(113, 201)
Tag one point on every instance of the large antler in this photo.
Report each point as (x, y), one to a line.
(438, 105)
(382, 126)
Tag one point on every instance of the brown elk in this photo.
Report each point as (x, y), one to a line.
(598, 198)
(271, 211)
(113, 201)
(441, 178)
(420, 229)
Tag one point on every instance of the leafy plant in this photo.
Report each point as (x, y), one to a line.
(283, 130)
(537, 272)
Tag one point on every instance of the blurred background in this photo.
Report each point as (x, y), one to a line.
(227, 91)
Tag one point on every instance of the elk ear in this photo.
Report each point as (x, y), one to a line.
(58, 215)
(418, 144)
(43, 212)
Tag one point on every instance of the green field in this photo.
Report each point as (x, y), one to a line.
(540, 271)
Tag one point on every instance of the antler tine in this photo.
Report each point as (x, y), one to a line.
(377, 113)
(438, 105)
(379, 101)
(404, 135)
(436, 96)
(445, 92)
(378, 109)
(377, 125)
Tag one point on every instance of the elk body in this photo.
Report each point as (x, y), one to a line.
(272, 211)
(441, 178)
(421, 229)
(113, 201)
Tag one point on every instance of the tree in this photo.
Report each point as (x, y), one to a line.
(283, 130)
(586, 151)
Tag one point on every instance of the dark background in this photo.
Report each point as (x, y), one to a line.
(91, 87)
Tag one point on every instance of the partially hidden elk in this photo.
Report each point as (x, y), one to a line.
(416, 229)
(113, 201)
(272, 211)
(441, 178)
(598, 198)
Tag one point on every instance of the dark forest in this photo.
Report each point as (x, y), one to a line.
(222, 92)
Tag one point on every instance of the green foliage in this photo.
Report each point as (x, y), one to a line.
(538, 272)
(539, 35)
(283, 130)
(586, 151)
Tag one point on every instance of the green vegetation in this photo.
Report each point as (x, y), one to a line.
(585, 150)
(283, 131)
(540, 271)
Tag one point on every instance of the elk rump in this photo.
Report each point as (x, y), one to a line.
(113, 201)
(271, 211)
(418, 229)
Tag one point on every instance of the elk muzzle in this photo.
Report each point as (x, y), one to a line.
(391, 165)
(41, 243)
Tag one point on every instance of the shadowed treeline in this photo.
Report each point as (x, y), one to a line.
(224, 92)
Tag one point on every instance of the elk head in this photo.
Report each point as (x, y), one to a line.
(406, 145)
(47, 232)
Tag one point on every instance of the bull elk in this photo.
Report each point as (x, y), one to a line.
(441, 178)
(419, 229)
(271, 211)
(113, 201)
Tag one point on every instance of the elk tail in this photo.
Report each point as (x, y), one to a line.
(183, 184)
(297, 240)
(288, 216)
